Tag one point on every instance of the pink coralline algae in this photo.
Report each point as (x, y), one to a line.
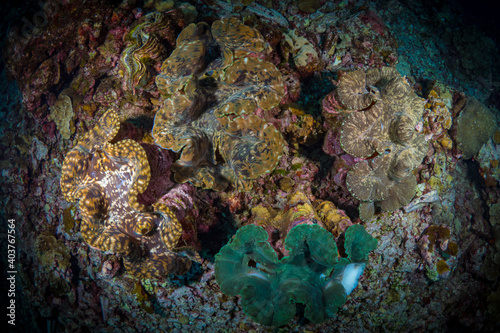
(331, 105)
(373, 19)
(72, 39)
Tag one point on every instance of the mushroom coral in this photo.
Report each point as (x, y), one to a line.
(383, 132)
(106, 179)
(212, 83)
(311, 274)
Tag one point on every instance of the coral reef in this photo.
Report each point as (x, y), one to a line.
(309, 6)
(386, 129)
(268, 14)
(438, 176)
(52, 253)
(311, 274)
(159, 5)
(299, 127)
(488, 158)
(491, 264)
(85, 42)
(106, 179)
(298, 210)
(67, 61)
(238, 83)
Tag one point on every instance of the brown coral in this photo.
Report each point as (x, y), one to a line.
(475, 125)
(305, 56)
(212, 88)
(335, 220)
(106, 179)
(299, 210)
(386, 130)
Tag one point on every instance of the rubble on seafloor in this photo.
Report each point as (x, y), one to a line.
(151, 149)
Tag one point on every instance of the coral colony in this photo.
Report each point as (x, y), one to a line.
(250, 165)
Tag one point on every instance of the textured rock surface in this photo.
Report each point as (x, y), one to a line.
(62, 114)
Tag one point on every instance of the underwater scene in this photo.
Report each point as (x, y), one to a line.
(250, 166)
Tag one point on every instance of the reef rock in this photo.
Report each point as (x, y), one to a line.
(305, 57)
(438, 251)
